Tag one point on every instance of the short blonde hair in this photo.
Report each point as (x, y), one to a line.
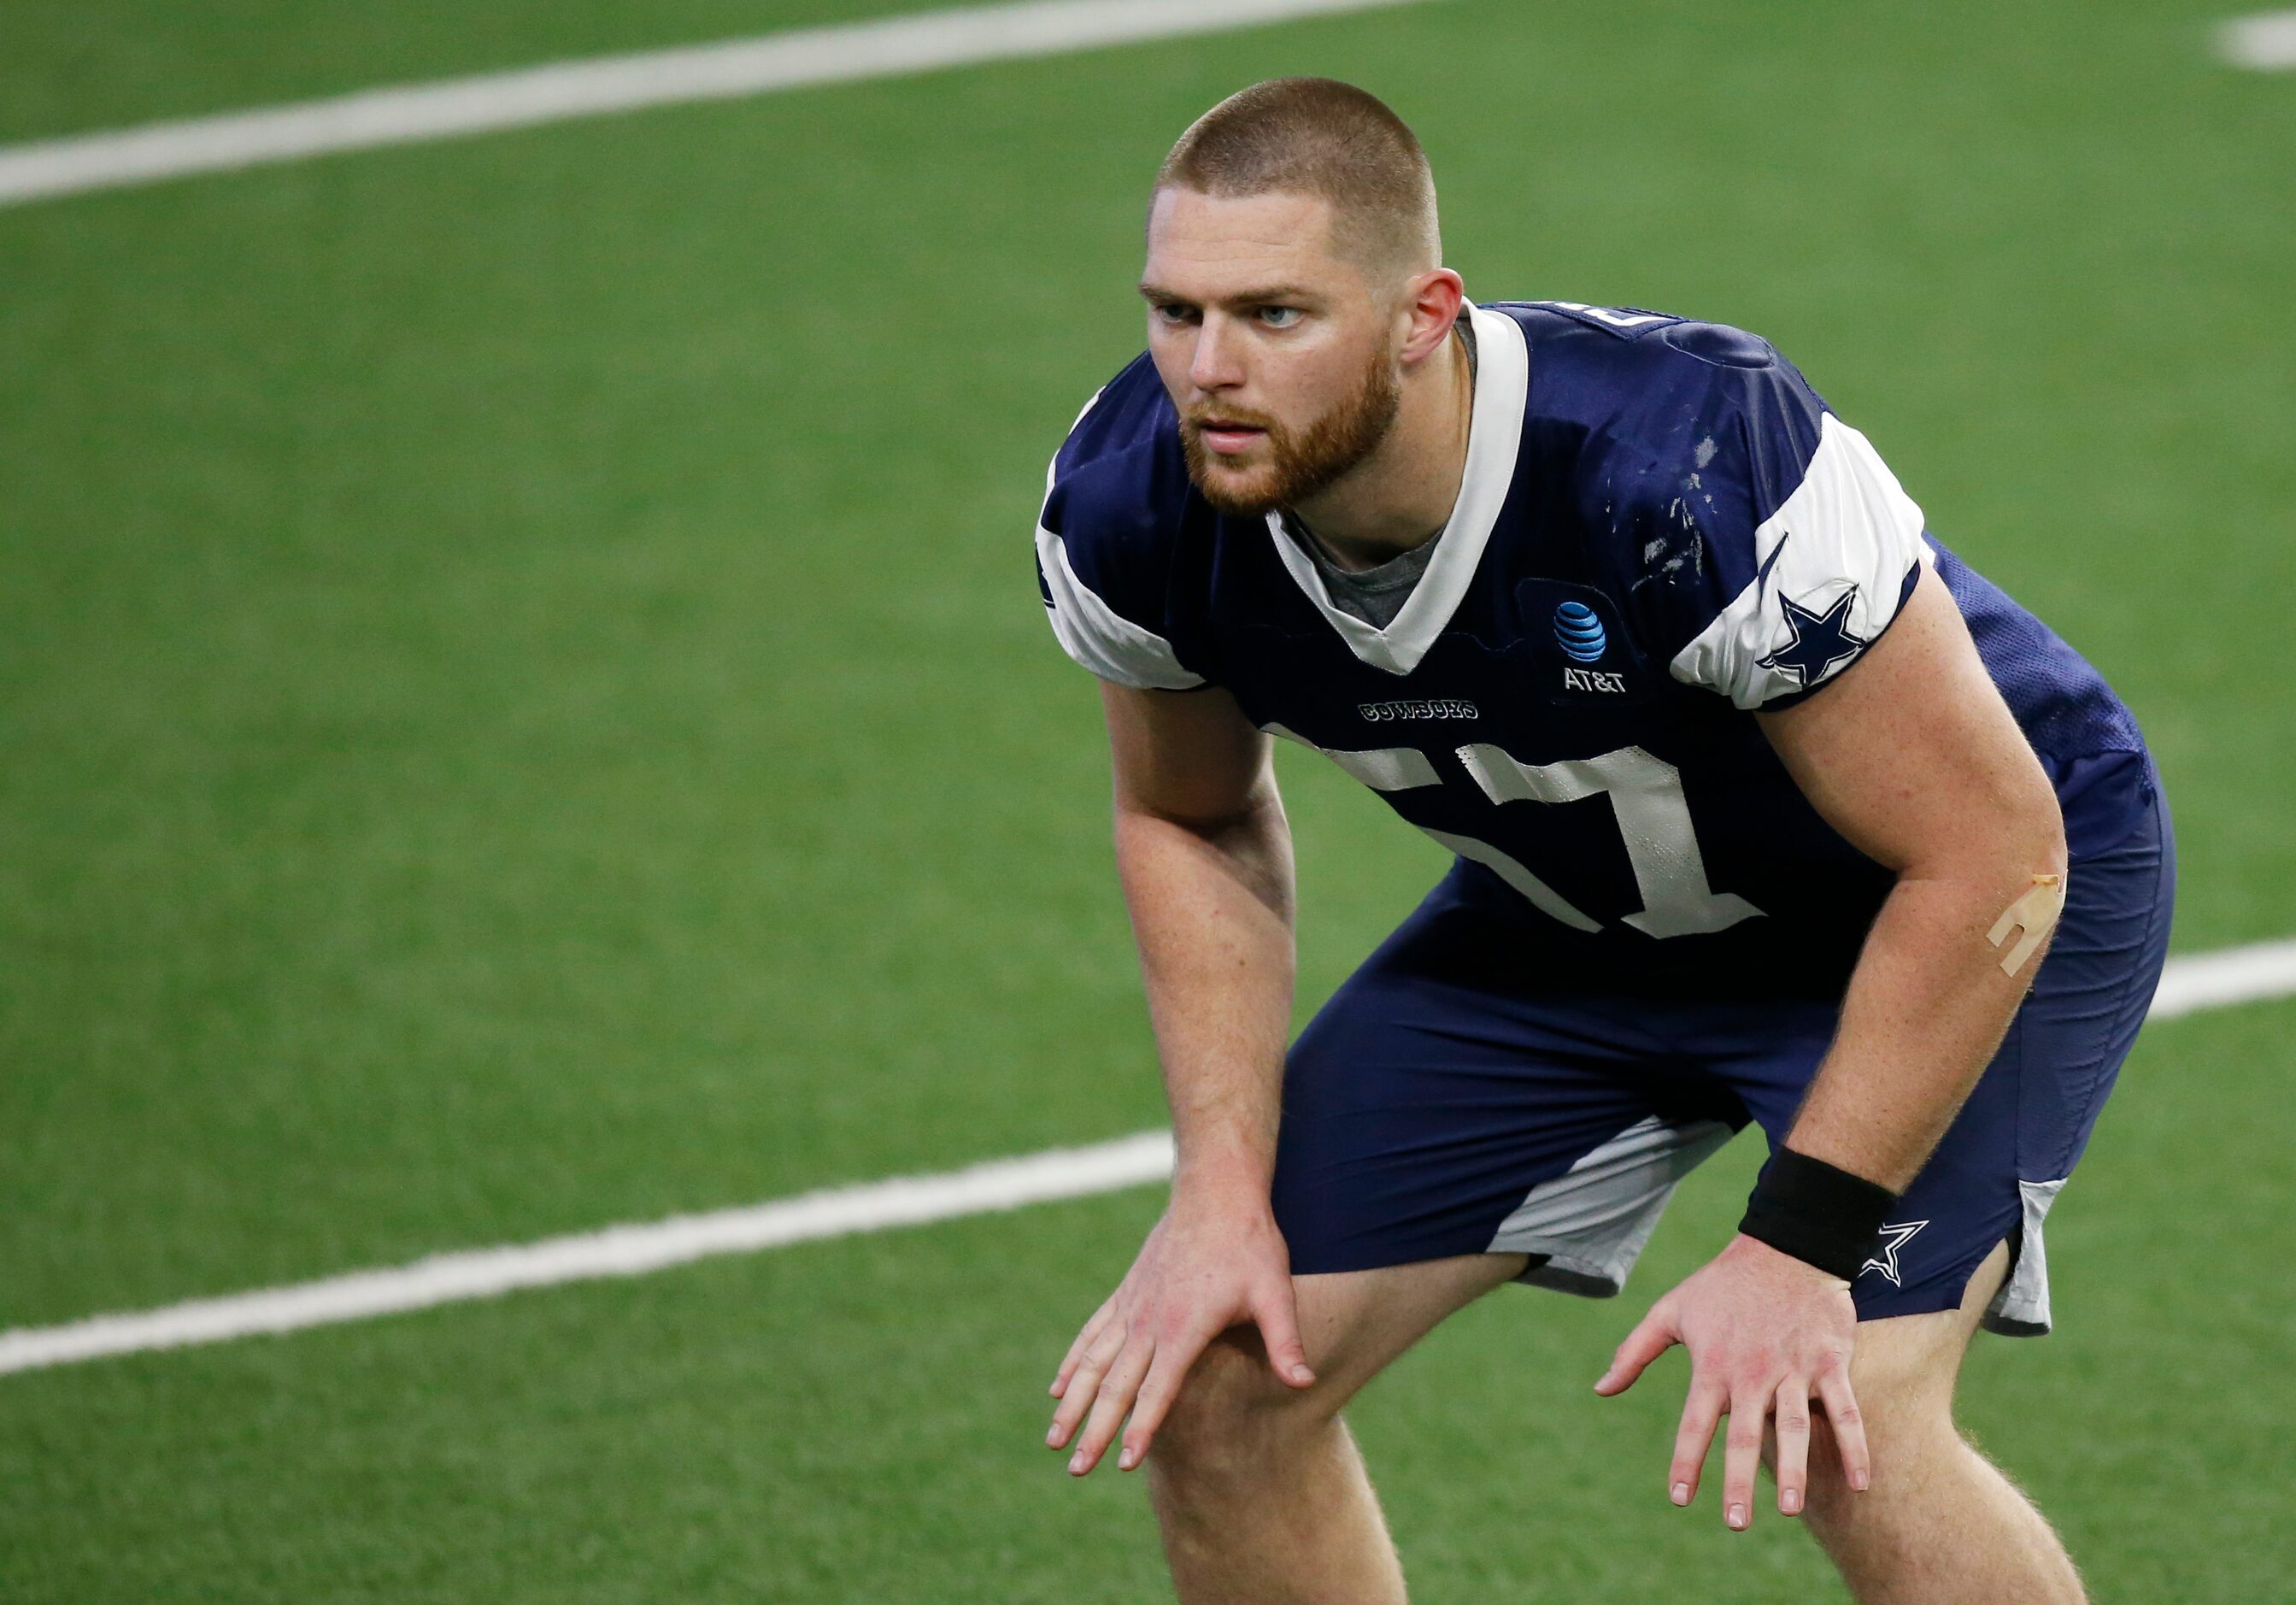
(1319, 136)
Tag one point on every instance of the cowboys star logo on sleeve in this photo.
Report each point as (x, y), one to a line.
(1822, 642)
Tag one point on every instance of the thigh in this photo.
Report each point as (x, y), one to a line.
(1355, 1323)
(1911, 1358)
(1443, 1104)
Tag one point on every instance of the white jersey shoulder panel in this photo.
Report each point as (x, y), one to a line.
(1098, 637)
(1091, 631)
(1830, 572)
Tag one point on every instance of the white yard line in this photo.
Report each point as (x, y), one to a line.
(2263, 43)
(561, 91)
(2240, 974)
(634, 1250)
(2203, 981)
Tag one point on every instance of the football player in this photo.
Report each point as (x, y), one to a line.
(1766, 806)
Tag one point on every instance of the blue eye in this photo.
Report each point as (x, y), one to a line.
(1280, 318)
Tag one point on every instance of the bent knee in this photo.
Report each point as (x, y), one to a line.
(1901, 1375)
(1906, 1417)
(1904, 1433)
(1233, 1410)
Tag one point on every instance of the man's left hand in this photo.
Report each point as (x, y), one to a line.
(1767, 1333)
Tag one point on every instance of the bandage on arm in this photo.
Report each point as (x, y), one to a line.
(2033, 916)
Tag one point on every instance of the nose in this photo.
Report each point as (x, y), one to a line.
(1217, 362)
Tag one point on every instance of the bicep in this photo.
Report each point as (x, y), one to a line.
(1187, 755)
(1912, 754)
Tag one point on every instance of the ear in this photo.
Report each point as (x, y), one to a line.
(1432, 303)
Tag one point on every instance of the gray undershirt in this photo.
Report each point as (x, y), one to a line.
(1376, 595)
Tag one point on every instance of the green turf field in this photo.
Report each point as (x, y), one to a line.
(525, 707)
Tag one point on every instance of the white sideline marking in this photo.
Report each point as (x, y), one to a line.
(561, 91)
(2240, 974)
(2264, 43)
(2202, 981)
(635, 1250)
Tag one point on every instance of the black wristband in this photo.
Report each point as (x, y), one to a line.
(1819, 1213)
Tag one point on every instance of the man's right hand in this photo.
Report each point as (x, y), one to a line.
(1215, 1260)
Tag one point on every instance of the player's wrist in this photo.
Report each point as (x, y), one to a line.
(1223, 1171)
(1816, 1212)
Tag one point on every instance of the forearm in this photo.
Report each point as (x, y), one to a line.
(1207, 873)
(1212, 906)
(1925, 1011)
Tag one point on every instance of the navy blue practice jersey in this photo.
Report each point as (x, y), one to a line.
(1662, 528)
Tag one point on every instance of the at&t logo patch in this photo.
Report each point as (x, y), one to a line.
(1592, 680)
(1580, 633)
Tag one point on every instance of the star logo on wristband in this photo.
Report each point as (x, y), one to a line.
(1893, 1238)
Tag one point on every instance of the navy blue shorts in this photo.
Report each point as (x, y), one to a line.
(1445, 1101)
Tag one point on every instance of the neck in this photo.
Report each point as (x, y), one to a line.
(1401, 495)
